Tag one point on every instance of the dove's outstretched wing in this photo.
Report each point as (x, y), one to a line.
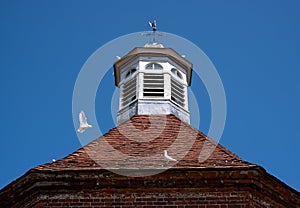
(82, 118)
(83, 125)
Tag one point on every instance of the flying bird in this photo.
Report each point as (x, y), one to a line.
(83, 123)
(169, 158)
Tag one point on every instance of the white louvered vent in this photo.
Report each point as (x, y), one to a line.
(129, 91)
(153, 85)
(177, 92)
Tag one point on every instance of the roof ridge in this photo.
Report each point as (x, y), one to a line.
(225, 149)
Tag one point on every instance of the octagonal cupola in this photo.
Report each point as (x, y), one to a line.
(153, 80)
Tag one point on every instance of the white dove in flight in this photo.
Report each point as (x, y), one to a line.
(83, 123)
(169, 158)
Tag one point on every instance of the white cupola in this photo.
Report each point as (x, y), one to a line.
(153, 80)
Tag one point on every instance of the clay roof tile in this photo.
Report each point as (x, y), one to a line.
(145, 136)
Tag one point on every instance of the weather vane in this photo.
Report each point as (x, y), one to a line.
(153, 25)
(154, 34)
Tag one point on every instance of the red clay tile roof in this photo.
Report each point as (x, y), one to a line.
(141, 142)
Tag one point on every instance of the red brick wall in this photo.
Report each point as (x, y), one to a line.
(204, 189)
(241, 199)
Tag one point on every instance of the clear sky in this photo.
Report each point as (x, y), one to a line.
(254, 45)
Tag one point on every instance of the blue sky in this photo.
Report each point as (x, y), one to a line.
(254, 45)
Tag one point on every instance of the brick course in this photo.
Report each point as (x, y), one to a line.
(239, 199)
